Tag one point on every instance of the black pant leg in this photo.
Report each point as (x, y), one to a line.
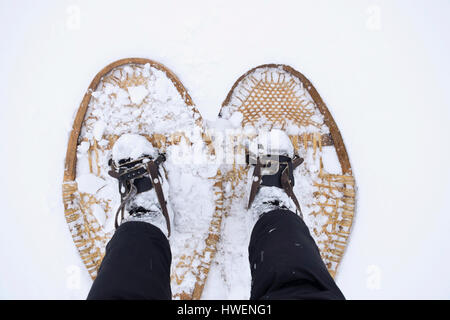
(136, 265)
(285, 261)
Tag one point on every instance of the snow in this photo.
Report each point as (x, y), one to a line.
(137, 94)
(99, 213)
(99, 129)
(83, 147)
(236, 119)
(273, 142)
(330, 160)
(132, 146)
(89, 183)
(385, 80)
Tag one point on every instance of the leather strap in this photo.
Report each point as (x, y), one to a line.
(152, 169)
(256, 182)
(287, 187)
(296, 161)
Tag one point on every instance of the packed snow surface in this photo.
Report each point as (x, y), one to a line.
(381, 67)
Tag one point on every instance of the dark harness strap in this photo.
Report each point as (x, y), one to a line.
(133, 180)
(152, 169)
(282, 178)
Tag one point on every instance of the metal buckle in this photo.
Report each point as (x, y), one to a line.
(269, 165)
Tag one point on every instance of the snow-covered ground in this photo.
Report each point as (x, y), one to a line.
(381, 66)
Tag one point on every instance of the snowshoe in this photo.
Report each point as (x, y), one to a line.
(142, 97)
(278, 97)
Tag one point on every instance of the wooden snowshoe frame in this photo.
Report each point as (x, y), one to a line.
(273, 97)
(89, 238)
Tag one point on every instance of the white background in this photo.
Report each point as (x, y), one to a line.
(382, 67)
